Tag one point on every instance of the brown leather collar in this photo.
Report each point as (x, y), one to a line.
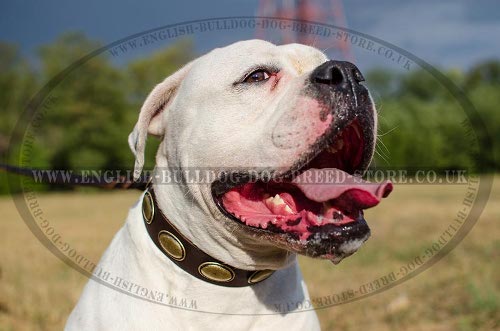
(189, 257)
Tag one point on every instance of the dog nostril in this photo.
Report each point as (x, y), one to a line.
(337, 77)
(338, 74)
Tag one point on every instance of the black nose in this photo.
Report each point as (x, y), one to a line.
(337, 73)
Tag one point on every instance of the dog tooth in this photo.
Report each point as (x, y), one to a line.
(276, 200)
(274, 221)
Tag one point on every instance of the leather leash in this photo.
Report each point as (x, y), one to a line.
(121, 182)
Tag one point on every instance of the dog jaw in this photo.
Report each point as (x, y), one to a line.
(214, 122)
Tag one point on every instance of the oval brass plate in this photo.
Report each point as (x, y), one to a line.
(148, 208)
(216, 272)
(172, 245)
(259, 276)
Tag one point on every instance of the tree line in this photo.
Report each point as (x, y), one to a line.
(421, 124)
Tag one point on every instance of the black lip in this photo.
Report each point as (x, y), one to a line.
(218, 202)
(324, 239)
(336, 234)
(328, 238)
(237, 178)
(326, 140)
(223, 185)
(356, 105)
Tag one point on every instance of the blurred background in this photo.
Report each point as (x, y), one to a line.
(421, 125)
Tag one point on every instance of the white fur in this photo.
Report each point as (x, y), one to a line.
(133, 257)
(204, 121)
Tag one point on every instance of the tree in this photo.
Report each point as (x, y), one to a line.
(94, 107)
(18, 82)
(85, 125)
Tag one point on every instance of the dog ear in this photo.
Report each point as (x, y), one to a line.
(150, 120)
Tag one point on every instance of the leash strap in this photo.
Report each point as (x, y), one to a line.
(164, 235)
(121, 182)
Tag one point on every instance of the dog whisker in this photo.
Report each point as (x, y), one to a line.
(387, 132)
(382, 157)
(381, 143)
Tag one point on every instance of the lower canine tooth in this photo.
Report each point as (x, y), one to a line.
(277, 201)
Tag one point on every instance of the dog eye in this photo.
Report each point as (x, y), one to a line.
(257, 76)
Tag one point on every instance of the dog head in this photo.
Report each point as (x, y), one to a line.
(283, 129)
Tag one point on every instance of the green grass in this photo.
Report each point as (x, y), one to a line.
(461, 292)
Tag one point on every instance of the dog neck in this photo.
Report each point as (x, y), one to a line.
(189, 214)
(188, 256)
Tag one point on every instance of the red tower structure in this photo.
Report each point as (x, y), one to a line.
(321, 11)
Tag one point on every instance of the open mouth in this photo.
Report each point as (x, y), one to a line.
(320, 207)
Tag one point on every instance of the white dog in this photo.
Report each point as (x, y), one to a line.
(278, 126)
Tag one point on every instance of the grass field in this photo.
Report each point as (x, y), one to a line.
(461, 292)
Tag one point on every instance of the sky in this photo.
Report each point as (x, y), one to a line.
(450, 34)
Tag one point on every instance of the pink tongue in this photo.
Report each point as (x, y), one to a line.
(349, 192)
